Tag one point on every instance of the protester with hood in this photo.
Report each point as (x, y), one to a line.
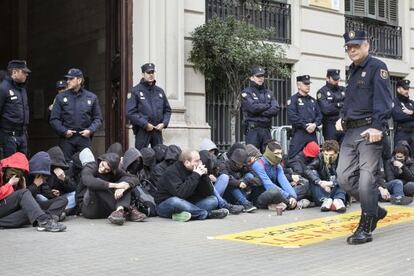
(171, 155)
(324, 184)
(399, 174)
(108, 191)
(276, 191)
(148, 161)
(59, 181)
(160, 151)
(116, 148)
(226, 155)
(79, 161)
(209, 146)
(49, 200)
(17, 205)
(132, 161)
(185, 191)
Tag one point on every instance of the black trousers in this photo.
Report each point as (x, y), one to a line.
(18, 209)
(54, 206)
(258, 137)
(10, 144)
(74, 144)
(145, 138)
(101, 203)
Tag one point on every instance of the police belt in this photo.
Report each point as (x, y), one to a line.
(16, 132)
(255, 125)
(358, 123)
(405, 129)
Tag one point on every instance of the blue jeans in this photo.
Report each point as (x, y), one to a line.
(198, 210)
(319, 193)
(70, 196)
(395, 187)
(237, 195)
(219, 188)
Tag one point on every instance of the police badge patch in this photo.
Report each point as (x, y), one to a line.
(129, 95)
(288, 102)
(160, 95)
(384, 74)
(65, 99)
(141, 93)
(244, 95)
(89, 102)
(318, 95)
(11, 92)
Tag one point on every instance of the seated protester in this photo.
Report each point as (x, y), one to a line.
(49, 200)
(59, 181)
(325, 189)
(79, 161)
(233, 182)
(132, 161)
(399, 174)
(171, 155)
(148, 161)
(160, 151)
(276, 189)
(220, 183)
(17, 205)
(209, 146)
(185, 191)
(301, 186)
(108, 191)
(116, 148)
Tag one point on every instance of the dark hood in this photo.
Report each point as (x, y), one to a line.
(173, 153)
(160, 151)
(77, 164)
(148, 157)
(131, 155)
(233, 148)
(405, 144)
(116, 148)
(113, 160)
(239, 156)
(40, 163)
(210, 161)
(57, 158)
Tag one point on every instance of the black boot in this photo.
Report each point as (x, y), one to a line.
(382, 213)
(363, 232)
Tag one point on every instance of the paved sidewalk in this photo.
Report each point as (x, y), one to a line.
(164, 247)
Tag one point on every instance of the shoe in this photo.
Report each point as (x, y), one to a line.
(363, 232)
(338, 206)
(401, 200)
(381, 214)
(275, 207)
(183, 216)
(218, 214)
(248, 207)
(234, 209)
(326, 205)
(135, 215)
(117, 217)
(50, 225)
(57, 218)
(303, 203)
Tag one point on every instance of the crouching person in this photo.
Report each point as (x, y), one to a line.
(17, 204)
(185, 191)
(108, 191)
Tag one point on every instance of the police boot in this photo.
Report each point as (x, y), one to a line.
(382, 213)
(363, 232)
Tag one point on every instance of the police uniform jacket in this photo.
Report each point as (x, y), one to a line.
(14, 108)
(331, 99)
(402, 119)
(148, 104)
(259, 105)
(75, 111)
(368, 93)
(303, 110)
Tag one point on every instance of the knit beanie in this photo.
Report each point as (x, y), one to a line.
(311, 149)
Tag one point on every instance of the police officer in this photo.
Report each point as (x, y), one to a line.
(304, 115)
(76, 115)
(331, 99)
(148, 109)
(403, 115)
(60, 87)
(364, 117)
(259, 106)
(14, 109)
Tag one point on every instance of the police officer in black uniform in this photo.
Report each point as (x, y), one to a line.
(76, 115)
(364, 117)
(60, 87)
(403, 115)
(331, 99)
(259, 106)
(148, 109)
(14, 109)
(304, 115)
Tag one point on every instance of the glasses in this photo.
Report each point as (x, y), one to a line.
(150, 72)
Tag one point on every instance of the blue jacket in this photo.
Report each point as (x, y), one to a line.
(330, 100)
(302, 110)
(259, 105)
(368, 93)
(273, 177)
(76, 111)
(148, 104)
(14, 108)
(400, 118)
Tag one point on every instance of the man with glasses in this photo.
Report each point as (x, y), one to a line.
(14, 109)
(148, 109)
(259, 106)
(76, 115)
(364, 116)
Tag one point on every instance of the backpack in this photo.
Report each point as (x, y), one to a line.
(144, 201)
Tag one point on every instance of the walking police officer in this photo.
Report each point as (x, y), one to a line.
(14, 109)
(331, 99)
(304, 115)
(148, 109)
(365, 112)
(403, 115)
(76, 115)
(259, 106)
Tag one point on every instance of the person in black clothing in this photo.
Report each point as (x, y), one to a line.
(171, 155)
(108, 191)
(185, 191)
(160, 151)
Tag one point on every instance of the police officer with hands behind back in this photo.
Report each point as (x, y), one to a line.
(259, 107)
(14, 109)
(367, 108)
(148, 109)
(76, 115)
(331, 99)
(304, 115)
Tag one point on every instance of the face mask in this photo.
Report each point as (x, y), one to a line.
(273, 158)
(330, 159)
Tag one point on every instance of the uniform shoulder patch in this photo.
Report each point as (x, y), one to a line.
(244, 94)
(384, 74)
(288, 102)
(129, 95)
(318, 95)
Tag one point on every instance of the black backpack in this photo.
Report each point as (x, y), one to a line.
(144, 201)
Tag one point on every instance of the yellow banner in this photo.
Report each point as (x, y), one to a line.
(316, 230)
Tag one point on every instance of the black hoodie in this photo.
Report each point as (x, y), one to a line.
(160, 151)
(171, 155)
(58, 161)
(230, 167)
(406, 174)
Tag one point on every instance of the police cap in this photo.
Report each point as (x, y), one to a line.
(355, 37)
(334, 74)
(404, 84)
(148, 67)
(74, 72)
(18, 64)
(257, 71)
(60, 84)
(305, 79)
